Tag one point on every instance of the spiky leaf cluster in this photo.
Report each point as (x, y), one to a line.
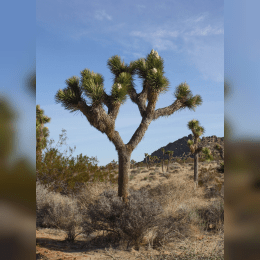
(92, 85)
(156, 80)
(196, 129)
(191, 145)
(218, 147)
(184, 94)
(120, 88)
(41, 132)
(117, 66)
(153, 60)
(207, 154)
(151, 70)
(71, 95)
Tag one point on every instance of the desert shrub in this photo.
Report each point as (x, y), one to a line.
(42, 203)
(152, 173)
(91, 192)
(190, 160)
(134, 171)
(212, 192)
(144, 171)
(130, 222)
(140, 164)
(166, 175)
(57, 211)
(221, 167)
(67, 174)
(131, 177)
(170, 229)
(210, 175)
(212, 216)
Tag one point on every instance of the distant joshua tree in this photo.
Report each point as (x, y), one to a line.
(151, 71)
(197, 131)
(146, 157)
(42, 132)
(163, 151)
(133, 162)
(152, 159)
(170, 154)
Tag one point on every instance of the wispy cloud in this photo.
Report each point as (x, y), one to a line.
(102, 15)
(205, 31)
(196, 18)
(192, 37)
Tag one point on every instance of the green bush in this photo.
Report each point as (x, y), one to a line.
(67, 174)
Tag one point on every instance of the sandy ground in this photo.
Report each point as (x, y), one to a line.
(178, 189)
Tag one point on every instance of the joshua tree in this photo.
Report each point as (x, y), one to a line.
(146, 156)
(197, 131)
(170, 154)
(152, 159)
(163, 151)
(133, 162)
(41, 132)
(151, 71)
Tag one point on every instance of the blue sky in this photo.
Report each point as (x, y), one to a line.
(74, 35)
(18, 60)
(242, 66)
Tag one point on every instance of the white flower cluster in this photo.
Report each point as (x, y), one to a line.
(119, 86)
(154, 70)
(155, 53)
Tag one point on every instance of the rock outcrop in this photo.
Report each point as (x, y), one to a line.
(182, 150)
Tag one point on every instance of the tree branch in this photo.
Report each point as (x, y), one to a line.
(167, 111)
(139, 133)
(139, 99)
(98, 118)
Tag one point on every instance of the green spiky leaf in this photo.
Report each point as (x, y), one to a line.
(70, 96)
(115, 65)
(92, 85)
(207, 154)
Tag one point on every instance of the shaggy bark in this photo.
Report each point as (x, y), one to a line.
(196, 158)
(124, 159)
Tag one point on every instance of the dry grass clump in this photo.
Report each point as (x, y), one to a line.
(212, 216)
(54, 210)
(129, 222)
(212, 180)
(91, 192)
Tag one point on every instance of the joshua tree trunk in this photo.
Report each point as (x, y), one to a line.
(196, 158)
(124, 166)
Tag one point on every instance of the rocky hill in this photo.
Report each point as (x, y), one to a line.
(182, 150)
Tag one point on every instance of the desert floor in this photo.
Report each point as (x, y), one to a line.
(175, 190)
